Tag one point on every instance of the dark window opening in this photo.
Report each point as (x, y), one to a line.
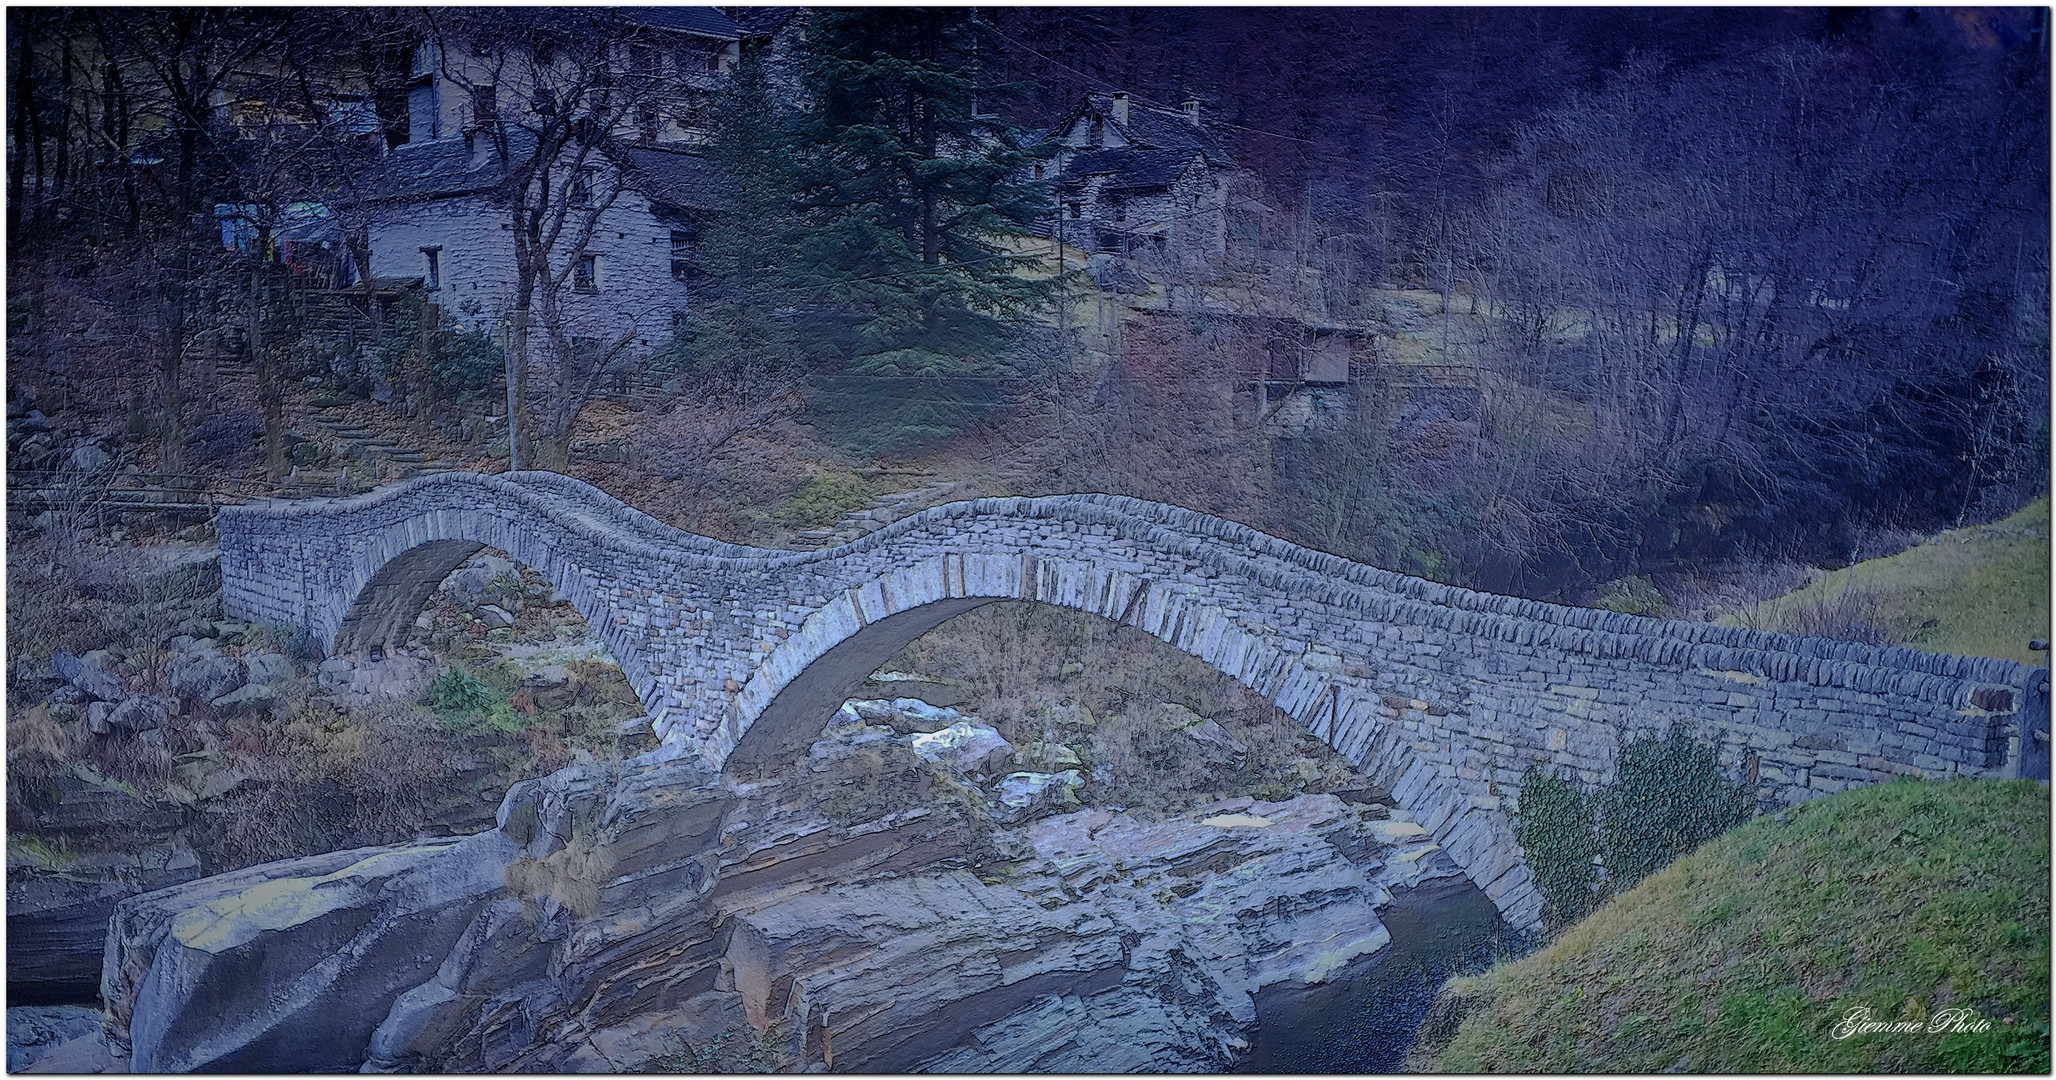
(485, 105)
(646, 118)
(685, 253)
(580, 190)
(585, 277)
(432, 271)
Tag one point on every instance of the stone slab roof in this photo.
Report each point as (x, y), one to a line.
(1127, 168)
(672, 179)
(1151, 128)
(692, 20)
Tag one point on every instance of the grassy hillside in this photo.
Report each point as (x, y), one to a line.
(1979, 591)
(1906, 898)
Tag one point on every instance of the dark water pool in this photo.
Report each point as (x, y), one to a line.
(1367, 1023)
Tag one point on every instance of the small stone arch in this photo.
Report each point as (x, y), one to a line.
(395, 571)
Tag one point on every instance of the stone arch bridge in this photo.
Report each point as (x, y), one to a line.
(1443, 695)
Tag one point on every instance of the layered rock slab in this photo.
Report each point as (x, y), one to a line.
(619, 913)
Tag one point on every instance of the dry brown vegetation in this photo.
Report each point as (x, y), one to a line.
(304, 773)
(1052, 680)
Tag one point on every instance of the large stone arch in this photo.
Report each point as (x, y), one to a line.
(784, 705)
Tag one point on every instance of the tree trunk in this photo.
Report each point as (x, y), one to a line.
(269, 399)
(170, 391)
(425, 395)
(21, 20)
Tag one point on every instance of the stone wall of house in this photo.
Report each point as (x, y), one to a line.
(636, 290)
(1445, 696)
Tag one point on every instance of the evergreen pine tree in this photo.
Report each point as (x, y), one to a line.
(744, 328)
(908, 193)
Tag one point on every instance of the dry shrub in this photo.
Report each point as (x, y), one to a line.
(546, 748)
(1045, 674)
(878, 781)
(143, 765)
(1853, 613)
(869, 784)
(31, 734)
(573, 875)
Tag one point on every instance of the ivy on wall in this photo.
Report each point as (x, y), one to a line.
(1667, 797)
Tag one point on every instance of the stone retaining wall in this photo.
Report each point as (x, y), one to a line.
(1445, 695)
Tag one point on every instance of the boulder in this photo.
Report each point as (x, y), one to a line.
(969, 748)
(369, 924)
(64, 665)
(144, 712)
(495, 617)
(474, 581)
(1021, 794)
(98, 683)
(202, 673)
(1207, 732)
(88, 457)
(267, 668)
(35, 1030)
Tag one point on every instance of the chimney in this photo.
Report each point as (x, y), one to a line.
(1121, 108)
(1192, 110)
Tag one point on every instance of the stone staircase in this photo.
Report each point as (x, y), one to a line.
(882, 511)
(354, 442)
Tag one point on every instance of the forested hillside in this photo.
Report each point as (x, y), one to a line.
(1702, 293)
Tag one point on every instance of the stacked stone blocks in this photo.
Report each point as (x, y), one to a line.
(1445, 696)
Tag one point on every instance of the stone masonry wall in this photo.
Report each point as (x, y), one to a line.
(1444, 695)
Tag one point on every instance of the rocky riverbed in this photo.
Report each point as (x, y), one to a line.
(1094, 878)
(875, 908)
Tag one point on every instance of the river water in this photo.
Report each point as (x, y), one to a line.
(1367, 1024)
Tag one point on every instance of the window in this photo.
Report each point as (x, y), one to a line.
(646, 117)
(432, 268)
(585, 277)
(690, 111)
(485, 105)
(694, 59)
(642, 59)
(1038, 172)
(580, 189)
(685, 253)
(1074, 211)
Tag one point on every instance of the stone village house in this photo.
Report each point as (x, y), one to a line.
(1141, 182)
(435, 220)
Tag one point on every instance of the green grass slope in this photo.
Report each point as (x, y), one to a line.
(1983, 588)
(1906, 899)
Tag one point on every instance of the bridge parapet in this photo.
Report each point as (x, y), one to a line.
(1445, 695)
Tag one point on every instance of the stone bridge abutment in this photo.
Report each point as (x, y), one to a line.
(1445, 696)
